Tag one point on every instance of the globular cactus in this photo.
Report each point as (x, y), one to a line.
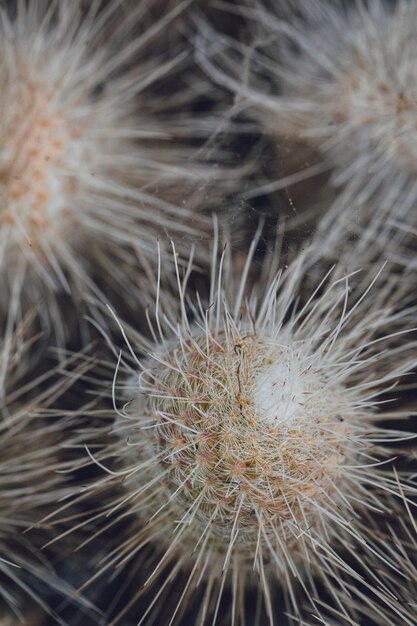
(94, 161)
(249, 445)
(334, 83)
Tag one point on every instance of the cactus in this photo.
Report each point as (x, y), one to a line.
(250, 444)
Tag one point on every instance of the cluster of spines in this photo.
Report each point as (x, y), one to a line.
(337, 78)
(226, 482)
(215, 479)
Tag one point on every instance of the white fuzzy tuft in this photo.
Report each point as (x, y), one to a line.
(281, 393)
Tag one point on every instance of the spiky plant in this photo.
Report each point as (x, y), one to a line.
(338, 78)
(95, 156)
(397, 539)
(30, 479)
(249, 448)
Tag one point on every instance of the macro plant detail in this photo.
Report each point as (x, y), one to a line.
(30, 479)
(338, 78)
(84, 138)
(250, 445)
(30, 163)
(231, 433)
(246, 454)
